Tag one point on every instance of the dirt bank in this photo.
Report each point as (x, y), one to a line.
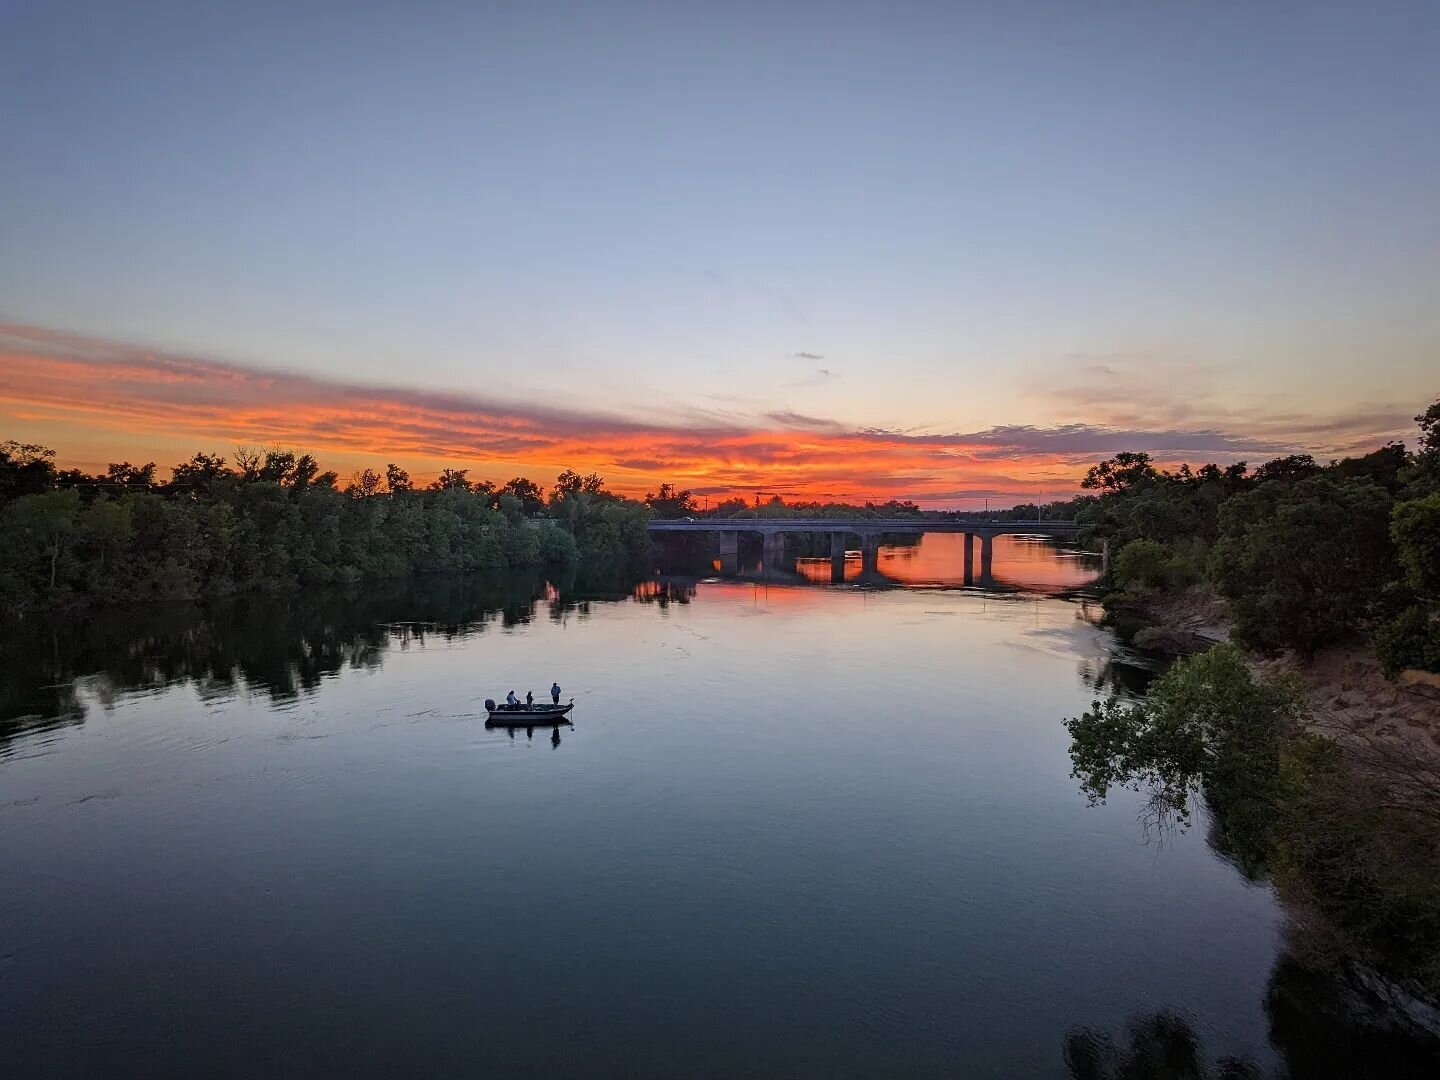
(1389, 727)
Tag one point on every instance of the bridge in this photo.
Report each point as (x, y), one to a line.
(869, 530)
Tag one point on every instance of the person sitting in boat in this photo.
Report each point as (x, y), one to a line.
(555, 693)
(511, 700)
(529, 699)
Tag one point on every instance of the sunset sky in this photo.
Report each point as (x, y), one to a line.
(943, 251)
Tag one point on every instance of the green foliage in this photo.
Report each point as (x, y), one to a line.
(1303, 564)
(670, 502)
(1207, 721)
(529, 495)
(1123, 473)
(25, 469)
(1284, 802)
(277, 522)
(1142, 564)
(1410, 640)
(1415, 528)
(1422, 477)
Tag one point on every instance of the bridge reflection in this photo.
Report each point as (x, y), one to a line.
(1017, 563)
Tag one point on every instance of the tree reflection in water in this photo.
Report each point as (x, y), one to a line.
(1160, 1046)
(1354, 992)
(283, 647)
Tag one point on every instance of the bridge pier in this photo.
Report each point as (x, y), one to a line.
(869, 553)
(987, 558)
(837, 558)
(969, 558)
(729, 552)
(773, 553)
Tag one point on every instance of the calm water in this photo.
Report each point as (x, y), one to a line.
(795, 830)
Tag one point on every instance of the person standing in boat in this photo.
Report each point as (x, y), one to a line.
(555, 693)
(529, 699)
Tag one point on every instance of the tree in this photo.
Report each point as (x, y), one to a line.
(25, 469)
(199, 475)
(1415, 528)
(1423, 476)
(304, 471)
(248, 458)
(365, 484)
(1384, 466)
(1412, 638)
(530, 495)
(1125, 472)
(668, 502)
(50, 520)
(1287, 470)
(108, 526)
(397, 480)
(1141, 564)
(451, 480)
(131, 477)
(1303, 565)
(1207, 723)
(570, 482)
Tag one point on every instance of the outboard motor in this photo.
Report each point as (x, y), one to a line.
(489, 704)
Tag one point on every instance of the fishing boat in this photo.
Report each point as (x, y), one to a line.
(526, 715)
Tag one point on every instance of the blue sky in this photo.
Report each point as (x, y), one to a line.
(968, 215)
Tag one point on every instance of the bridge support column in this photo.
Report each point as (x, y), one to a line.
(987, 558)
(869, 553)
(729, 552)
(837, 558)
(773, 556)
(969, 558)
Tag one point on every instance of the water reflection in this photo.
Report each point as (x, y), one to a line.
(1031, 564)
(285, 647)
(751, 841)
(281, 647)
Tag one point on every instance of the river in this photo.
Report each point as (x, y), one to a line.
(796, 829)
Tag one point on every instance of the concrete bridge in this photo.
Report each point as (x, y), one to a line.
(869, 530)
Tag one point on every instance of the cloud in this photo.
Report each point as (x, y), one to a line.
(137, 403)
(788, 419)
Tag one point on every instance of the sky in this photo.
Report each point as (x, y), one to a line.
(949, 252)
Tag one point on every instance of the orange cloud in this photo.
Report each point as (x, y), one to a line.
(131, 402)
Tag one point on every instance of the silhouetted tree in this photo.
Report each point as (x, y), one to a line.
(397, 480)
(451, 480)
(1125, 472)
(530, 495)
(131, 477)
(25, 469)
(669, 502)
(365, 484)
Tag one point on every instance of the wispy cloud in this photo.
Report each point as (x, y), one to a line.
(807, 356)
(132, 398)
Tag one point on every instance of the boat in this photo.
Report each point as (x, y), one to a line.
(503, 715)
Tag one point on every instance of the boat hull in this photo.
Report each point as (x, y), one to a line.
(532, 717)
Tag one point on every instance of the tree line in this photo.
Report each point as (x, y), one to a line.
(274, 520)
(1306, 554)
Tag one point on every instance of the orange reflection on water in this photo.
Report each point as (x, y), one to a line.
(939, 559)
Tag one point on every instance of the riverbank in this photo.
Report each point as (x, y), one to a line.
(1385, 725)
